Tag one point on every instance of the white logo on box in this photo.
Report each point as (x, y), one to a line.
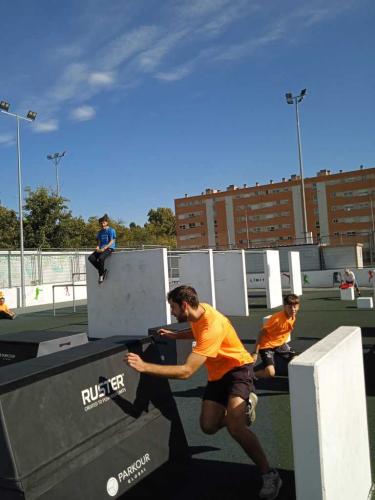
(112, 486)
(104, 391)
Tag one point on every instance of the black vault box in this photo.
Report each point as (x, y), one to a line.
(16, 347)
(173, 352)
(82, 425)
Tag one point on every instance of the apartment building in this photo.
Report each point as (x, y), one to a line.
(339, 206)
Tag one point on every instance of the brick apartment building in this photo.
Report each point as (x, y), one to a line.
(340, 211)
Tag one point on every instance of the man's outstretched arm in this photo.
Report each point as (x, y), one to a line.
(183, 334)
(181, 372)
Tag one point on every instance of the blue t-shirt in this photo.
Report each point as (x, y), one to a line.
(104, 236)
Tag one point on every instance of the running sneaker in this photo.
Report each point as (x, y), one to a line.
(271, 485)
(250, 408)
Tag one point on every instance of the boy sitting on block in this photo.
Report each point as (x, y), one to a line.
(273, 337)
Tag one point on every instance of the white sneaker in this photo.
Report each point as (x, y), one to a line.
(250, 408)
(271, 485)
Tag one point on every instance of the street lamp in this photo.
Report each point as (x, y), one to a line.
(30, 117)
(56, 157)
(290, 99)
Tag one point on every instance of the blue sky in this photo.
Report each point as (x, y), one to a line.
(153, 99)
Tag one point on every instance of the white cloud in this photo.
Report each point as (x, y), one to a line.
(127, 45)
(83, 113)
(46, 126)
(103, 79)
(176, 73)
(199, 8)
(6, 139)
(113, 55)
(73, 76)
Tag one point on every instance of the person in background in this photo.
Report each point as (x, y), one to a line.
(106, 239)
(351, 280)
(5, 312)
(273, 337)
(228, 400)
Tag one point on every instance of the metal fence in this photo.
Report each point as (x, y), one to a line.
(41, 267)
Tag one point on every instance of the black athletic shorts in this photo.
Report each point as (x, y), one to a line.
(268, 354)
(236, 382)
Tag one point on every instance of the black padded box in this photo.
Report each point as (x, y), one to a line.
(81, 424)
(16, 347)
(173, 352)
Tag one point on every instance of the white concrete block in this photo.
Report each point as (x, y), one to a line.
(272, 278)
(365, 303)
(230, 283)
(197, 270)
(295, 273)
(329, 419)
(132, 298)
(347, 293)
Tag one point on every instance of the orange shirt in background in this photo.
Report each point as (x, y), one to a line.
(217, 340)
(4, 308)
(276, 330)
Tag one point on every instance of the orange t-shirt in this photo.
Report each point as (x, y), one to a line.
(217, 340)
(276, 330)
(4, 308)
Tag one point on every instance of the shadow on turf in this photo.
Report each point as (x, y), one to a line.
(369, 369)
(278, 386)
(325, 298)
(368, 332)
(207, 480)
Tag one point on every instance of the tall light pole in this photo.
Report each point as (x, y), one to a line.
(30, 117)
(56, 157)
(290, 99)
(373, 226)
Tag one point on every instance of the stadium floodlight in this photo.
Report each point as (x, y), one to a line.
(56, 157)
(290, 99)
(4, 105)
(30, 117)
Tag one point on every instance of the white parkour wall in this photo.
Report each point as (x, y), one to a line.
(329, 419)
(197, 270)
(230, 283)
(272, 278)
(295, 273)
(133, 298)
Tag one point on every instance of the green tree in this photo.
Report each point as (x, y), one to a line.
(48, 223)
(9, 228)
(163, 220)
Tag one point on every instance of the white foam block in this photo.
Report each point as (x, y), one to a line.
(272, 278)
(365, 303)
(347, 293)
(230, 283)
(197, 270)
(329, 419)
(295, 273)
(133, 297)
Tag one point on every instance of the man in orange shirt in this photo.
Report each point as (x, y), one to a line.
(5, 312)
(273, 337)
(229, 400)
